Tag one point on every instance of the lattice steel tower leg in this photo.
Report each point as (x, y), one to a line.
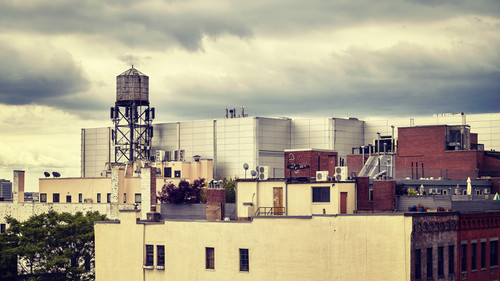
(132, 117)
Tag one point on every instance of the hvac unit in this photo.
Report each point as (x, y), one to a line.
(263, 172)
(340, 173)
(160, 156)
(179, 155)
(321, 175)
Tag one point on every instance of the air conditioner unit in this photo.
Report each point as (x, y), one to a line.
(263, 172)
(340, 173)
(179, 155)
(160, 156)
(321, 175)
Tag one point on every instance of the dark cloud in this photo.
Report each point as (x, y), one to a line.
(145, 23)
(38, 76)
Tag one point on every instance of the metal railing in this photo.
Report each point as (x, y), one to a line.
(270, 211)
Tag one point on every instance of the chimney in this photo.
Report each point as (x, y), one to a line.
(148, 191)
(18, 187)
(216, 198)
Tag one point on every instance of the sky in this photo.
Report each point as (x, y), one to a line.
(59, 60)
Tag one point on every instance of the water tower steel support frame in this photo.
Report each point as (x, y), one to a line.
(132, 118)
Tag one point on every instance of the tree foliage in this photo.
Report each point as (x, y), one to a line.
(230, 187)
(50, 246)
(185, 193)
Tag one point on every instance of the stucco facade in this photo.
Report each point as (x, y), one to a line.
(331, 247)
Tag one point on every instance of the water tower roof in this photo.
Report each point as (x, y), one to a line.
(132, 72)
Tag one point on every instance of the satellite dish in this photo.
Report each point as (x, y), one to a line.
(253, 173)
(56, 174)
(47, 174)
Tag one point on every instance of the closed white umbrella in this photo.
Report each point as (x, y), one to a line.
(469, 186)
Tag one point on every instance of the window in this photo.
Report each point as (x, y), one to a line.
(463, 256)
(149, 255)
(124, 197)
(108, 197)
(209, 258)
(2, 228)
(473, 256)
(177, 174)
(451, 259)
(167, 172)
(370, 194)
(160, 255)
(429, 262)
(137, 198)
(244, 260)
(321, 194)
(440, 261)
(55, 197)
(418, 264)
(68, 198)
(483, 254)
(43, 197)
(80, 198)
(494, 253)
(98, 197)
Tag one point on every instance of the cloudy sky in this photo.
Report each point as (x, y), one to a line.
(59, 60)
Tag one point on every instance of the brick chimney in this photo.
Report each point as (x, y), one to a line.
(18, 187)
(148, 191)
(216, 198)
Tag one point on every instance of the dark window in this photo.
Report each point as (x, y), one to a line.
(160, 255)
(321, 194)
(108, 197)
(124, 197)
(483, 254)
(68, 198)
(137, 198)
(494, 253)
(451, 259)
(429, 262)
(473, 256)
(167, 172)
(98, 197)
(43, 197)
(440, 261)
(177, 174)
(463, 257)
(370, 195)
(244, 260)
(209, 258)
(80, 198)
(418, 264)
(55, 197)
(149, 255)
(2, 228)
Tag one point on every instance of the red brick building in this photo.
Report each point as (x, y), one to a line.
(477, 239)
(306, 162)
(441, 151)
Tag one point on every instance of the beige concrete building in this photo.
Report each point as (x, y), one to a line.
(294, 198)
(121, 188)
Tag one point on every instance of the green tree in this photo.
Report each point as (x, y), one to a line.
(230, 187)
(51, 246)
(184, 193)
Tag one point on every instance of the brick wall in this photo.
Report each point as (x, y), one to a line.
(384, 195)
(363, 188)
(327, 162)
